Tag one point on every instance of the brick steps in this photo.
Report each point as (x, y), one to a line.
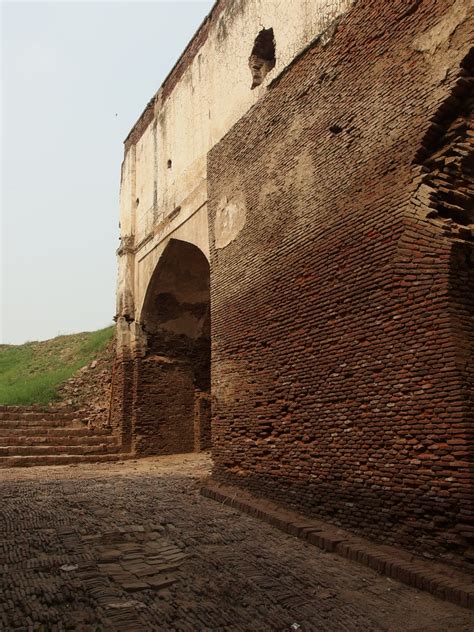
(35, 436)
(53, 431)
(30, 415)
(34, 408)
(54, 440)
(40, 450)
(37, 423)
(65, 459)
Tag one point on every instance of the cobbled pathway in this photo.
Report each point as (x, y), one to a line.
(133, 546)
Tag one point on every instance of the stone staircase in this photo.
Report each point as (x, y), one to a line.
(31, 435)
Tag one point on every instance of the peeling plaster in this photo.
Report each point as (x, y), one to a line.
(230, 219)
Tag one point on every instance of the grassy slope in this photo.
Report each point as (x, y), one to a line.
(30, 373)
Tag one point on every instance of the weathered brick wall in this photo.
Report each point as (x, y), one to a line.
(166, 419)
(157, 408)
(202, 421)
(461, 446)
(163, 406)
(121, 401)
(164, 361)
(341, 311)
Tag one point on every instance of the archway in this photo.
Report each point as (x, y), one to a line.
(173, 403)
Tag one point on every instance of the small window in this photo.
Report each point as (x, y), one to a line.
(262, 58)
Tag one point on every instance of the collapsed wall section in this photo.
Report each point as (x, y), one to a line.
(340, 313)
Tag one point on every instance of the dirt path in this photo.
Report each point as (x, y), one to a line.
(133, 546)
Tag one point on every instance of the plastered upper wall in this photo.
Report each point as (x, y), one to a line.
(164, 170)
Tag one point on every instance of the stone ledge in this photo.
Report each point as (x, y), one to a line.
(442, 581)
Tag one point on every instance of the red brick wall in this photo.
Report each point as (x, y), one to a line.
(202, 421)
(460, 448)
(153, 404)
(121, 402)
(164, 406)
(340, 313)
(155, 385)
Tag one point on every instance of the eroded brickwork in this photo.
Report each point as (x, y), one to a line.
(342, 311)
(161, 385)
(164, 406)
(121, 402)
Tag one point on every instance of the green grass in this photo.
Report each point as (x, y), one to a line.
(31, 373)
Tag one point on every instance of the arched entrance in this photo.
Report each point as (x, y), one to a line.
(172, 412)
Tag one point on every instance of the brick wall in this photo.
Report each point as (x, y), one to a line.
(164, 406)
(121, 402)
(160, 396)
(342, 311)
(202, 421)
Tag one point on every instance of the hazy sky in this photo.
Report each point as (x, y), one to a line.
(75, 76)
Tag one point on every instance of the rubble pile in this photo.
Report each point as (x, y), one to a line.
(88, 391)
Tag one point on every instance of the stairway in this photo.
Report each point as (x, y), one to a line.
(31, 435)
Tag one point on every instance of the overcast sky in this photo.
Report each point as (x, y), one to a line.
(75, 76)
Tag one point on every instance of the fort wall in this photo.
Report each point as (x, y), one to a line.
(341, 303)
(300, 256)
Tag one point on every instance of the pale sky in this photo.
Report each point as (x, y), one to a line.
(75, 76)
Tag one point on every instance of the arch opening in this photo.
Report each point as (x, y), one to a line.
(262, 58)
(174, 409)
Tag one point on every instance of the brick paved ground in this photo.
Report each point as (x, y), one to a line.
(133, 546)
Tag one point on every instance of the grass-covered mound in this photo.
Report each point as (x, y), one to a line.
(32, 373)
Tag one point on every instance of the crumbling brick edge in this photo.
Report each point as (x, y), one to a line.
(441, 581)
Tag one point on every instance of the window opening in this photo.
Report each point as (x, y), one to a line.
(262, 58)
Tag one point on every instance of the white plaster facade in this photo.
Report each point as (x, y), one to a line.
(159, 199)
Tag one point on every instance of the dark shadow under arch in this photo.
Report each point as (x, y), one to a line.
(173, 411)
